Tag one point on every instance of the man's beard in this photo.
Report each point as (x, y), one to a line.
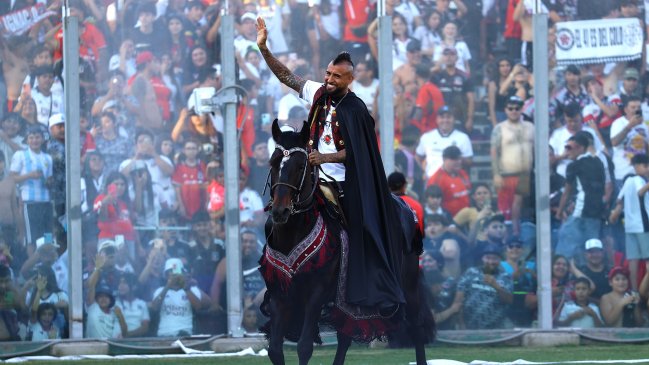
(337, 93)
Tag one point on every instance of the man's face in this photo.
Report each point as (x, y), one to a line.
(632, 108)
(11, 127)
(582, 291)
(363, 73)
(248, 244)
(43, 59)
(572, 80)
(144, 143)
(490, 263)
(452, 165)
(450, 58)
(574, 124)
(45, 82)
(167, 234)
(573, 150)
(630, 84)
(260, 153)
(414, 58)
(190, 150)
(641, 169)
(195, 14)
(248, 28)
(496, 231)
(445, 122)
(201, 229)
(337, 78)
(513, 112)
(595, 256)
(146, 19)
(57, 132)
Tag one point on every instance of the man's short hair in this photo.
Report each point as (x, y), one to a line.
(396, 181)
(436, 218)
(640, 159)
(452, 153)
(580, 139)
(573, 69)
(631, 98)
(433, 191)
(146, 7)
(143, 131)
(194, 4)
(343, 57)
(494, 218)
(582, 280)
(572, 110)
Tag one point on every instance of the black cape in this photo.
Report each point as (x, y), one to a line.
(375, 236)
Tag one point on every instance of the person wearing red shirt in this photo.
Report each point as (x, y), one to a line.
(112, 208)
(453, 181)
(189, 180)
(429, 100)
(92, 43)
(399, 186)
(357, 19)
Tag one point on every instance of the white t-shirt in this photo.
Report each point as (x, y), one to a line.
(135, 312)
(102, 325)
(634, 143)
(176, 313)
(39, 334)
(46, 106)
(335, 170)
(409, 11)
(287, 102)
(366, 93)
(249, 203)
(432, 144)
(558, 141)
(586, 321)
(161, 181)
(273, 18)
(632, 209)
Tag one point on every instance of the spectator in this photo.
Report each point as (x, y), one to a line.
(401, 39)
(429, 100)
(471, 219)
(123, 63)
(31, 168)
(595, 270)
(174, 244)
(122, 104)
(560, 136)
(634, 201)
(365, 84)
(10, 219)
(145, 86)
(432, 144)
(602, 110)
(113, 209)
(258, 164)
(192, 125)
(146, 34)
(405, 161)
(56, 149)
(114, 147)
(562, 285)
(251, 207)
(630, 85)
(176, 302)
(48, 101)
(428, 33)
(92, 181)
(207, 251)
(455, 86)
(398, 186)
(29, 113)
(620, 307)
(198, 67)
(580, 313)
(146, 199)
(160, 168)
(629, 137)
(494, 232)
(585, 180)
(523, 274)
(484, 292)
(571, 93)
(433, 197)
(453, 181)
(43, 288)
(12, 304)
(441, 291)
(502, 77)
(512, 144)
(11, 135)
(189, 180)
(103, 319)
(450, 41)
(134, 309)
(405, 75)
(43, 323)
(194, 11)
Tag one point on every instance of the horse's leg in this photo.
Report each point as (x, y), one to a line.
(312, 308)
(411, 292)
(278, 319)
(344, 342)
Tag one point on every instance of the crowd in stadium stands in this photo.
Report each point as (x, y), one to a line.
(152, 164)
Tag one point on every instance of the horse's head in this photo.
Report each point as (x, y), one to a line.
(291, 182)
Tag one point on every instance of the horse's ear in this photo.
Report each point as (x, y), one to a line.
(304, 133)
(275, 130)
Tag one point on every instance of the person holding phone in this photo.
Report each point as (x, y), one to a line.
(629, 137)
(113, 209)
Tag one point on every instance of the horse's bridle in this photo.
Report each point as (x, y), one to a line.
(298, 206)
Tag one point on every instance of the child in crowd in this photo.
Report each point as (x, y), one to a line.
(620, 307)
(42, 325)
(104, 320)
(635, 201)
(581, 312)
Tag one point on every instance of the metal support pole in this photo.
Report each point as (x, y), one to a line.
(73, 171)
(231, 170)
(386, 93)
(542, 163)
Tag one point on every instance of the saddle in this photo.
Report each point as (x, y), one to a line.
(331, 194)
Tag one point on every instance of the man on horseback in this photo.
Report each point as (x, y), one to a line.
(343, 144)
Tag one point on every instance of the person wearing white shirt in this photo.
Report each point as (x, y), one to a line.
(134, 309)
(629, 137)
(365, 85)
(432, 144)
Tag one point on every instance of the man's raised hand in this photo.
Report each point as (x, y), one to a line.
(262, 32)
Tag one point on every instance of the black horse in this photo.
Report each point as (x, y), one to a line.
(304, 265)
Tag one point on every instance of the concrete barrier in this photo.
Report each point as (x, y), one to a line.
(550, 338)
(238, 344)
(80, 348)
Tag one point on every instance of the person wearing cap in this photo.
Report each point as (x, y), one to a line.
(485, 292)
(595, 269)
(456, 87)
(559, 137)
(177, 302)
(247, 34)
(433, 143)
(48, 102)
(633, 200)
(621, 306)
(512, 155)
(572, 92)
(494, 232)
(629, 137)
(55, 147)
(630, 85)
(340, 120)
(404, 75)
(31, 168)
(524, 276)
(146, 86)
(103, 320)
(450, 41)
(453, 181)
(585, 181)
(603, 109)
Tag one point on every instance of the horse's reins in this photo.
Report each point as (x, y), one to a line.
(294, 207)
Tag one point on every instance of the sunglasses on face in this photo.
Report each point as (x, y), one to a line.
(567, 147)
(513, 108)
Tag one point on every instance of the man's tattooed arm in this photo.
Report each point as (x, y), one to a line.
(282, 72)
